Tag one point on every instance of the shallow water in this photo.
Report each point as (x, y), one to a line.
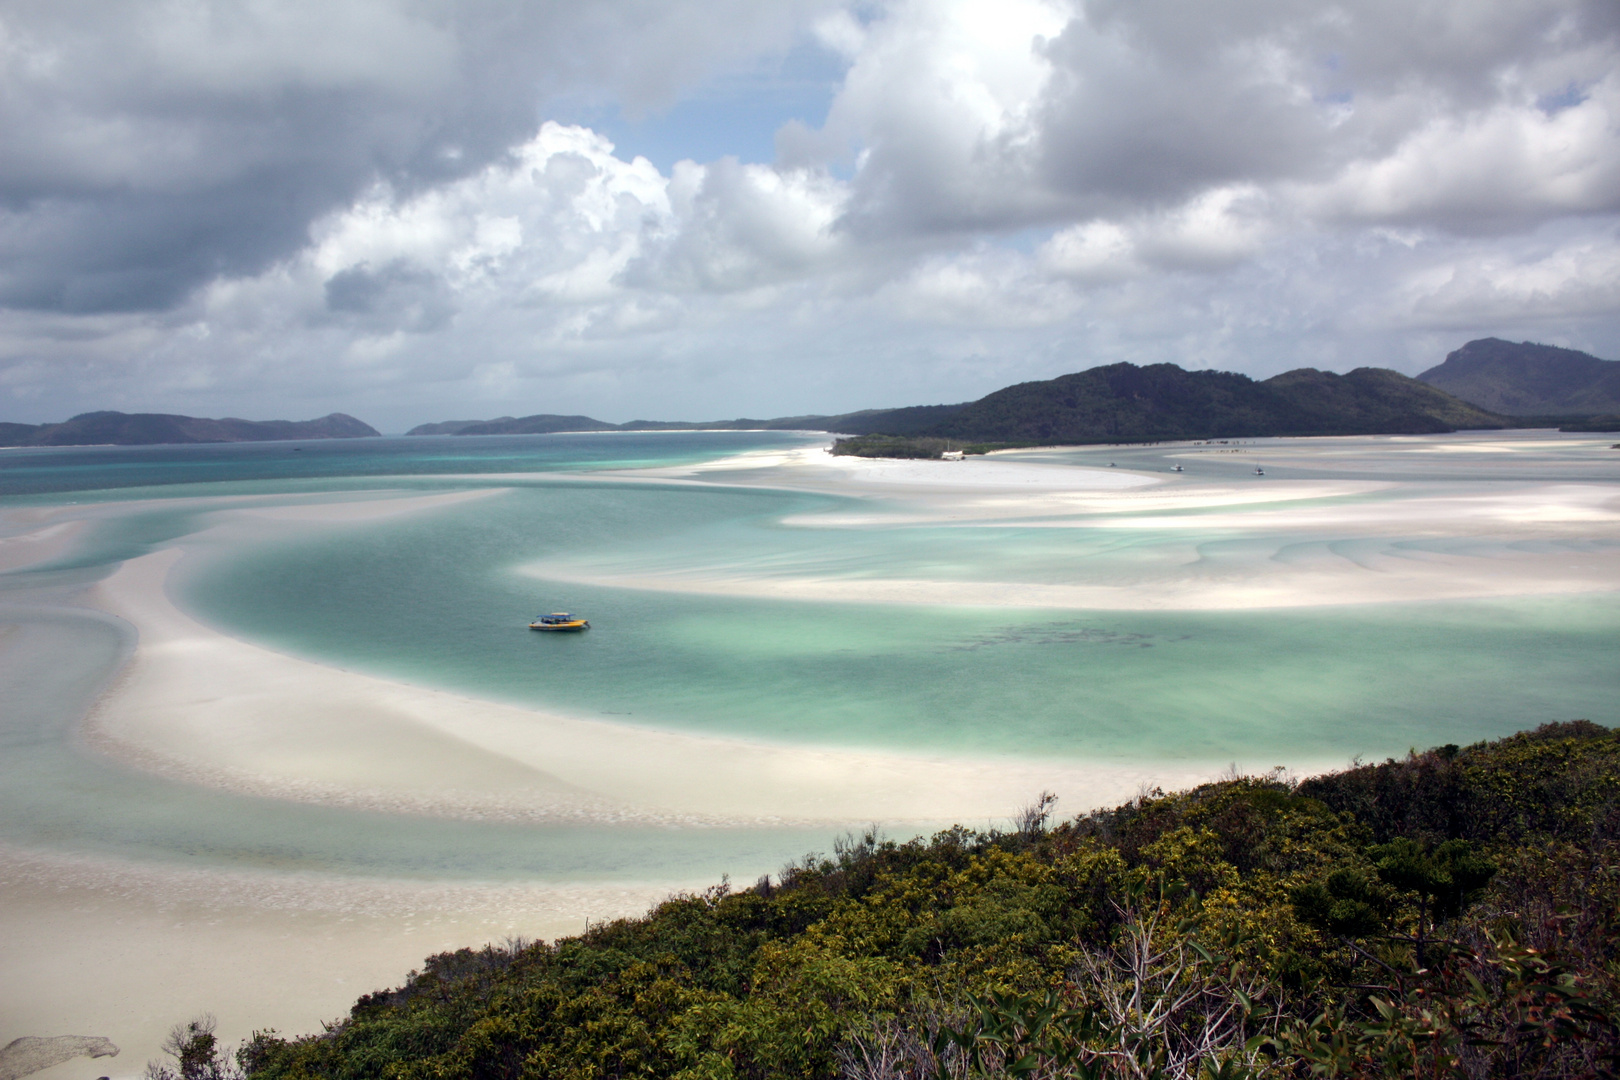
(441, 599)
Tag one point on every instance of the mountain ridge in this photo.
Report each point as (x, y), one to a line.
(146, 429)
(1126, 403)
(1528, 379)
(1112, 403)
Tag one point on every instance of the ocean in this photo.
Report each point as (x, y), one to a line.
(697, 628)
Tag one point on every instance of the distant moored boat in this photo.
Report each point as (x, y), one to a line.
(559, 620)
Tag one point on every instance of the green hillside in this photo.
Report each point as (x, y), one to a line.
(1452, 914)
(1125, 403)
(1116, 403)
(144, 429)
(1526, 379)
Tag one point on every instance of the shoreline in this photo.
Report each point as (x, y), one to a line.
(450, 755)
(125, 950)
(121, 947)
(1407, 523)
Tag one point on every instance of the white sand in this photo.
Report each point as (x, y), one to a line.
(110, 948)
(115, 949)
(1521, 538)
(125, 951)
(34, 535)
(210, 709)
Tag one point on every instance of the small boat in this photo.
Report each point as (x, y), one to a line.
(559, 620)
(1176, 468)
(1258, 471)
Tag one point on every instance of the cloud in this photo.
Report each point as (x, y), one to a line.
(152, 146)
(981, 116)
(1577, 281)
(368, 208)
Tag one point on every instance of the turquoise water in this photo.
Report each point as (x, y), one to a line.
(98, 473)
(54, 795)
(440, 599)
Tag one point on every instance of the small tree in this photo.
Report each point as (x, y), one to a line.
(1444, 880)
(195, 1053)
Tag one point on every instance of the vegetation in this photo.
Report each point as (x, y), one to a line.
(1526, 379)
(1125, 403)
(1452, 914)
(145, 429)
(892, 421)
(901, 446)
(1593, 423)
(1120, 403)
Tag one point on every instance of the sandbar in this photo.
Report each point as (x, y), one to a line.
(207, 708)
(1308, 542)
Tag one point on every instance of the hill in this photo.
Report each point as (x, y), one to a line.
(455, 427)
(142, 429)
(1117, 403)
(1126, 403)
(856, 423)
(541, 424)
(1450, 914)
(1526, 379)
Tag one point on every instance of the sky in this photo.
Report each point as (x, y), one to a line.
(412, 210)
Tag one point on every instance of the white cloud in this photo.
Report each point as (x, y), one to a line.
(379, 221)
(1574, 282)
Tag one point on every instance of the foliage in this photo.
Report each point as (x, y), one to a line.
(194, 1053)
(1529, 380)
(895, 446)
(1126, 403)
(1604, 423)
(1351, 925)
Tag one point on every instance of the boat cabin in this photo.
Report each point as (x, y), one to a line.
(559, 620)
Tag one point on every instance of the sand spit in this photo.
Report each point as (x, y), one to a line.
(35, 536)
(1309, 542)
(207, 708)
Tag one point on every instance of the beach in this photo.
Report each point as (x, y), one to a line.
(119, 941)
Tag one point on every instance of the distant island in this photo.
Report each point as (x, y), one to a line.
(1111, 404)
(1488, 383)
(1527, 379)
(1126, 403)
(550, 424)
(145, 429)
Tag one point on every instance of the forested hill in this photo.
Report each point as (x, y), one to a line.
(140, 429)
(1126, 403)
(1452, 914)
(1525, 379)
(855, 423)
(1117, 403)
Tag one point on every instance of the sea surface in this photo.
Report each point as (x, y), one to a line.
(441, 599)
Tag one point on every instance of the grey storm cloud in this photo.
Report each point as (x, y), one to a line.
(149, 147)
(396, 295)
(1148, 103)
(381, 205)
